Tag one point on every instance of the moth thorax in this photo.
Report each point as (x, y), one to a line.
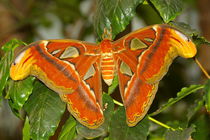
(106, 46)
(107, 68)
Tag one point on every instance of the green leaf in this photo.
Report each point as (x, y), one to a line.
(26, 130)
(149, 14)
(193, 109)
(155, 137)
(119, 130)
(168, 9)
(4, 69)
(103, 129)
(199, 40)
(114, 14)
(68, 131)
(202, 128)
(157, 130)
(183, 93)
(177, 125)
(207, 96)
(18, 93)
(12, 44)
(44, 109)
(6, 61)
(0, 101)
(107, 138)
(185, 28)
(180, 134)
(108, 105)
(89, 133)
(113, 86)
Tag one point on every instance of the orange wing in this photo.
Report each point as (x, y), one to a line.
(145, 59)
(70, 68)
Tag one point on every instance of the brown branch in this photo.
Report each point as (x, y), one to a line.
(202, 68)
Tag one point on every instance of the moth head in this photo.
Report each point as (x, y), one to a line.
(184, 45)
(21, 67)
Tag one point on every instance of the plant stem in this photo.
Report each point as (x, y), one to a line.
(117, 103)
(160, 123)
(202, 68)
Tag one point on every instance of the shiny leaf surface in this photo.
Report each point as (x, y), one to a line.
(168, 9)
(44, 109)
(119, 130)
(68, 131)
(6, 61)
(19, 92)
(26, 130)
(114, 15)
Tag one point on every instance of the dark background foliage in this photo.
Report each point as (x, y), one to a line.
(31, 20)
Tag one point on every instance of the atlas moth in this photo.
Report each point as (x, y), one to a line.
(74, 69)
